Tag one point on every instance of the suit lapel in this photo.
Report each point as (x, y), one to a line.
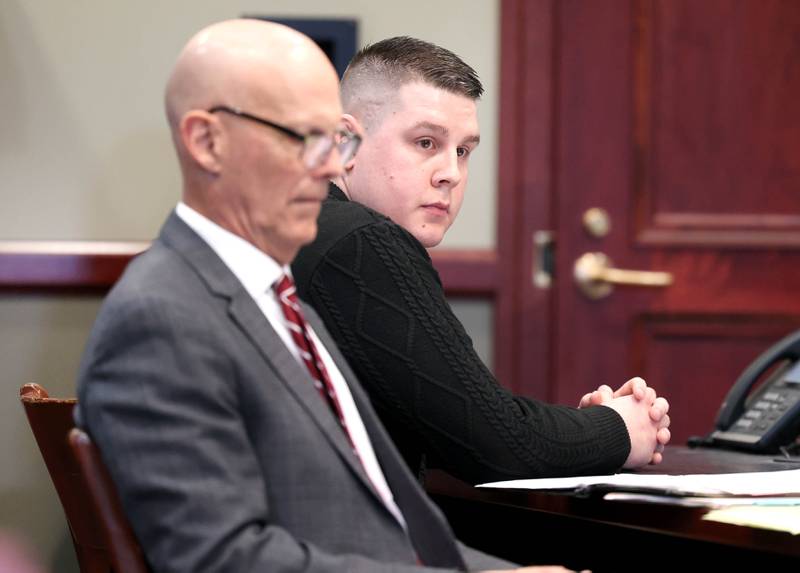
(246, 315)
(297, 380)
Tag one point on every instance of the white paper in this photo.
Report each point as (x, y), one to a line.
(704, 501)
(785, 482)
(777, 517)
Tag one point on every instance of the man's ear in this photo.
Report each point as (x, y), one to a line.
(203, 139)
(351, 123)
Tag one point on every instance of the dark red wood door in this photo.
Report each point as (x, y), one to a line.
(681, 119)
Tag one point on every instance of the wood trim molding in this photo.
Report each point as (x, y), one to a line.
(53, 266)
(68, 266)
(723, 230)
(467, 273)
(727, 238)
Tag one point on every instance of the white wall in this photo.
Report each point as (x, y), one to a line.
(84, 148)
(85, 154)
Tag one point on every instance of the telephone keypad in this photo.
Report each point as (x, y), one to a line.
(766, 409)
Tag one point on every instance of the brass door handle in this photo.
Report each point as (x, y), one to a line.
(595, 276)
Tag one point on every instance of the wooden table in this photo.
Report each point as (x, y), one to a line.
(590, 532)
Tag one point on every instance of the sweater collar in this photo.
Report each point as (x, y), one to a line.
(335, 193)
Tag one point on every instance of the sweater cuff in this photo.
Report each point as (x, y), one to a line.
(613, 433)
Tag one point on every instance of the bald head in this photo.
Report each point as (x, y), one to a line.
(246, 61)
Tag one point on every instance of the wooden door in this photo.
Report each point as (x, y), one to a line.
(681, 119)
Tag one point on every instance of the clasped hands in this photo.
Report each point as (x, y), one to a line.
(645, 416)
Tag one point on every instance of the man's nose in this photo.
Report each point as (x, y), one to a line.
(447, 171)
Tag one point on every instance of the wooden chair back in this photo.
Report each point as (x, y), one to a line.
(96, 548)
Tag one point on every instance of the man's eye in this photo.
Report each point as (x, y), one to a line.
(463, 151)
(425, 143)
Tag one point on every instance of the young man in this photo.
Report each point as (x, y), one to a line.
(238, 438)
(370, 278)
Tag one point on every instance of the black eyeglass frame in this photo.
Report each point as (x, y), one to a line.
(353, 139)
(282, 128)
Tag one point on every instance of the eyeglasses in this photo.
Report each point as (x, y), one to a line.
(317, 146)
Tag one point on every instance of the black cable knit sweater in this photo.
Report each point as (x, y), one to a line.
(376, 289)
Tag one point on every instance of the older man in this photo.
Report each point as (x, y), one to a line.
(370, 278)
(236, 434)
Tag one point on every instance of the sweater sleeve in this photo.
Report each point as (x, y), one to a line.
(379, 295)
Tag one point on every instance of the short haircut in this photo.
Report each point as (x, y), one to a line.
(394, 62)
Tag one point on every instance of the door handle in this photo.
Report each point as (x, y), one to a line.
(596, 277)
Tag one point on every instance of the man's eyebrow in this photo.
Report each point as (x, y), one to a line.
(443, 131)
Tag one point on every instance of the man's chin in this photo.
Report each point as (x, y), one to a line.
(429, 237)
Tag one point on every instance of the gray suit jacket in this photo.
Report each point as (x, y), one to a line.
(224, 455)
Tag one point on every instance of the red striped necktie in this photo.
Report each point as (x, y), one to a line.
(298, 327)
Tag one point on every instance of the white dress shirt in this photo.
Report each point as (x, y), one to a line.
(258, 272)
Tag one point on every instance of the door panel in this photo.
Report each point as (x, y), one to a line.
(679, 118)
(682, 355)
(716, 123)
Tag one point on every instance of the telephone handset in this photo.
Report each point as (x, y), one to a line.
(770, 418)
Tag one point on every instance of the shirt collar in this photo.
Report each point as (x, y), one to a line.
(256, 270)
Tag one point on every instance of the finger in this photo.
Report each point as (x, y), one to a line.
(597, 398)
(649, 396)
(605, 388)
(636, 386)
(625, 389)
(602, 395)
(659, 409)
(656, 412)
(663, 436)
(657, 458)
(662, 405)
(640, 388)
(587, 400)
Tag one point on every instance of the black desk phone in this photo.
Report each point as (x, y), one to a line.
(770, 418)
